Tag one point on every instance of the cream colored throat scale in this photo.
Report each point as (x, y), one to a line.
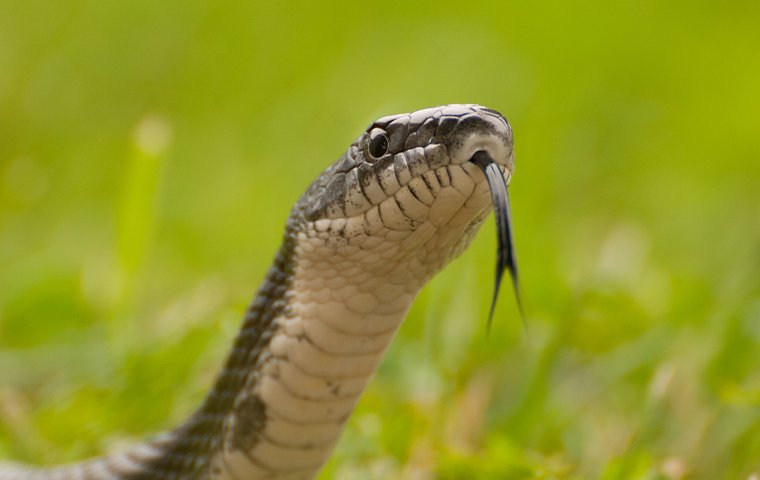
(405, 199)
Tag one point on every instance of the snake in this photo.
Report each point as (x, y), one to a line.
(404, 200)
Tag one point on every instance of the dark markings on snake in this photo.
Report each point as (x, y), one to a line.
(201, 435)
(446, 126)
(397, 132)
(413, 191)
(380, 214)
(426, 131)
(442, 174)
(428, 182)
(364, 175)
(399, 165)
(250, 421)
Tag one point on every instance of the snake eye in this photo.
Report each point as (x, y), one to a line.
(378, 143)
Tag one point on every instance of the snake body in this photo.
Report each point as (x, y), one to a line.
(398, 205)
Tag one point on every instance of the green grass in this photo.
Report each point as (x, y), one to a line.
(150, 153)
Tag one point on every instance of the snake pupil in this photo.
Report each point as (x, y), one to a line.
(378, 143)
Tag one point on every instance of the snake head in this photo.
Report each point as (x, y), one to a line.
(411, 191)
(396, 149)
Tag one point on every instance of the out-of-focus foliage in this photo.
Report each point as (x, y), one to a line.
(150, 152)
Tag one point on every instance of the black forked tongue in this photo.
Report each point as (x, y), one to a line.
(505, 255)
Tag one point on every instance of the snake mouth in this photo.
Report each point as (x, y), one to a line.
(505, 255)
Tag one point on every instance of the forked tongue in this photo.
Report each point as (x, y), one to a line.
(505, 255)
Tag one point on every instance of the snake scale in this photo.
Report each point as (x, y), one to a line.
(405, 199)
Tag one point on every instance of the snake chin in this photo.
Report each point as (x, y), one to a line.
(419, 229)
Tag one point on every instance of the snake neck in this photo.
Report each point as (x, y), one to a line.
(309, 343)
(311, 361)
(232, 417)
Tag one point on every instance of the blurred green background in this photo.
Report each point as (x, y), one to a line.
(150, 153)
